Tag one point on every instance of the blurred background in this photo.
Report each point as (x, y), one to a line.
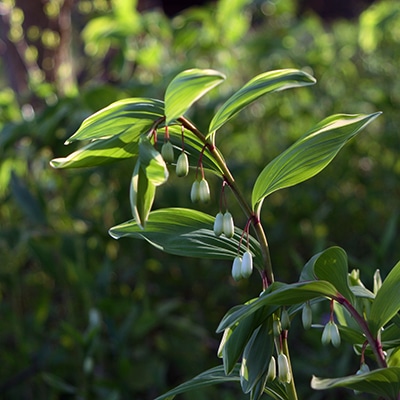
(83, 316)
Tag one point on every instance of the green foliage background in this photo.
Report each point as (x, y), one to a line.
(85, 316)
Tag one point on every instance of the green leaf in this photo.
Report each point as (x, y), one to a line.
(238, 339)
(256, 357)
(186, 232)
(210, 377)
(277, 295)
(381, 382)
(186, 88)
(387, 301)
(57, 383)
(331, 266)
(271, 81)
(103, 151)
(142, 193)
(137, 114)
(308, 155)
(152, 162)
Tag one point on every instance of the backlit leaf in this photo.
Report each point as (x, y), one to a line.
(271, 81)
(383, 382)
(186, 88)
(308, 155)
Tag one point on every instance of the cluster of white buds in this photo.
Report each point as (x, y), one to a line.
(242, 268)
(223, 224)
(331, 334)
(200, 191)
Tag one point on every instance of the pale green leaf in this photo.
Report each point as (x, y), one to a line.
(100, 152)
(187, 232)
(142, 193)
(383, 382)
(137, 114)
(331, 266)
(186, 88)
(387, 301)
(308, 155)
(271, 81)
(152, 162)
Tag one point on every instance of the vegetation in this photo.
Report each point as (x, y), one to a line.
(87, 316)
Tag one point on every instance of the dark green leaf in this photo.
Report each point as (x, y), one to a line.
(381, 382)
(57, 383)
(142, 193)
(210, 377)
(186, 232)
(308, 155)
(186, 88)
(271, 81)
(279, 294)
(256, 357)
(387, 301)
(331, 266)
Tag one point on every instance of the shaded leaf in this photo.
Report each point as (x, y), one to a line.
(331, 266)
(308, 155)
(271, 81)
(210, 377)
(186, 88)
(381, 382)
(387, 301)
(256, 357)
(186, 232)
(277, 295)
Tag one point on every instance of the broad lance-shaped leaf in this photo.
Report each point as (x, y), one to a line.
(100, 152)
(383, 382)
(137, 114)
(279, 294)
(216, 376)
(152, 162)
(186, 88)
(142, 193)
(331, 266)
(271, 81)
(186, 232)
(308, 155)
(387, 301)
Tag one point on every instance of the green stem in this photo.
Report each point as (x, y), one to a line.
(267, 273)
(291, 387)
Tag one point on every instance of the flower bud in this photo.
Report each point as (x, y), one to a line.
(377, 281)
(284, 374)
(247, 264)
(228, 226)
(285, 319)
(219, 224)
(204, 191)
(306, 315)
(331, 334)
(182, 165)
(195, 192)
(363, 369)
(167, 152)
(271, 374)
(237, 268)
(276, 327)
